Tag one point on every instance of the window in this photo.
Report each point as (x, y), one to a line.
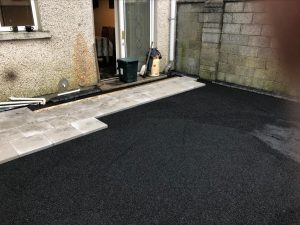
(17, 13)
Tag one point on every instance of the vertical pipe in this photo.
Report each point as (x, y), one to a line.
(122, 26)
(172, 20)
(152, 21)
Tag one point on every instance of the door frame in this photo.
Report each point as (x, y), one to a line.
(120, 25)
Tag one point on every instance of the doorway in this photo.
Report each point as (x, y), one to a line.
(104, 19)
(136, 22)
(123, 28)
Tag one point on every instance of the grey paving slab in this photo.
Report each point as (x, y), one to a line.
(60, 135)
(28, 131)
(28, 145)
(88, 113)
(11, 134)
(114, 100)
(15, 118)
(141, 97)
(61, 121)
(21, 112)
(7, 152)
(89, 125)
(35, 128)
(42, 116)
(10, 123)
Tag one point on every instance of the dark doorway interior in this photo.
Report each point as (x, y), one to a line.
(104, 17)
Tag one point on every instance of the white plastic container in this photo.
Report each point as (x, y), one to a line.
(155, 68)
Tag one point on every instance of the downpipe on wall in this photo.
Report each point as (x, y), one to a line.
(172, 38)
(172, 21)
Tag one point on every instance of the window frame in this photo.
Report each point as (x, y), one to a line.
(22, 28)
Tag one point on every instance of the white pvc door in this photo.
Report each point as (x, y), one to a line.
(136, 28)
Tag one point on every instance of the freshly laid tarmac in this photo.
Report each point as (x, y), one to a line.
(213, 155)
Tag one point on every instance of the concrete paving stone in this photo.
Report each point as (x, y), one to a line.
(29, 131)
(83, 103)
(89, 125)
(128, 103)
(61, 121)
(21, 112)
(35, 128)
(42, 116)
(88, 113)
(45, 118)
(9, 135)
(60, 135)
(15, 115)
(123, 105)
(55, 111)
(87, 104)
(101, 98)
(10, 123)
(7, 152)
(107, 110)
(27, 145)
(140, 97)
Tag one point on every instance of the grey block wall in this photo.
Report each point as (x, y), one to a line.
(236, 44)
(189, 37)
(248, 54)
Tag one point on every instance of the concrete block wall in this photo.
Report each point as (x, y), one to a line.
(236, 43)
(212, 16)
(188, 35)
(248, 54)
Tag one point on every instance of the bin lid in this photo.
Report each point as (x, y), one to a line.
(128, 60)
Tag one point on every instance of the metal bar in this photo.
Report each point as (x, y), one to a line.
(42, 100)
(12, 106)
(19, 102)
(68, 92)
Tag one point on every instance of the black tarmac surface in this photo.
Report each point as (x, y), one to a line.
(195, 158)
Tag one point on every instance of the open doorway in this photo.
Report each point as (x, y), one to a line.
(123, 28)
(104, 18)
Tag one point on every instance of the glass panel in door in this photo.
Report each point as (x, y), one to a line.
(137, 26)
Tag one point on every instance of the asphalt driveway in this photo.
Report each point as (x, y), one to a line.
(214, 155)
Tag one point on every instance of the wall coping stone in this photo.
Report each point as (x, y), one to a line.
(191, 1)
(12, 36)
(214, 3)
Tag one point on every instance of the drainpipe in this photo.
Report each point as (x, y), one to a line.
(172, 21)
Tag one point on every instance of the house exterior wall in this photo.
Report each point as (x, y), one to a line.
(35, 67)
(162, 29)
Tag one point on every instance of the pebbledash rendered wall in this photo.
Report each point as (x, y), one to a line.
(234, 43)
(63, 48)
(162, 15)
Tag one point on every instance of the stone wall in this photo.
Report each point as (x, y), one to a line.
(34, 67)
(237, 44)
(248, 49)
(189, 42)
